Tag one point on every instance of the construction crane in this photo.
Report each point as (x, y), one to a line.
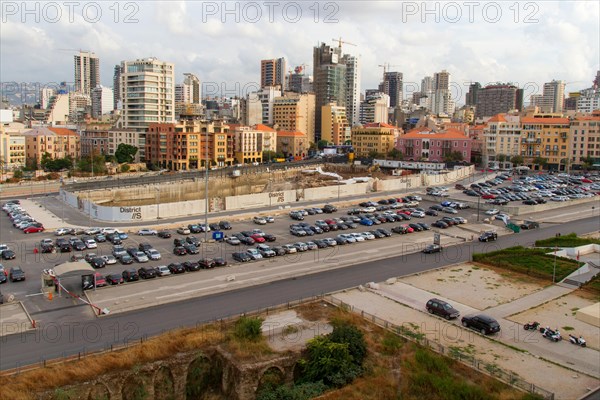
(386, 68)
(340, 41)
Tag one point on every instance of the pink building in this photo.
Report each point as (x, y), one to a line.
(424, 144)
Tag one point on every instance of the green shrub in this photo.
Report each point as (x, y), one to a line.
(328, 361)
(303, 391)
(349, 334)
(248, 328)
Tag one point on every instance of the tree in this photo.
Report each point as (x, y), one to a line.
(329, 362)
(85, 164)
(541, 161)
(454, 156)
(18, 174)
(395, 154)
(588, 162)
(321, 144)
(46, 159)
(516, 160)
(501, 157)
(374, 154)
(125, 153)
(353, 337)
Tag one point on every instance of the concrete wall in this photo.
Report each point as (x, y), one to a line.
(332, 192)
(260, 200)
(402, 183)
(452, 176)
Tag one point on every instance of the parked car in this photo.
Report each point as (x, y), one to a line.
(206, 263)
(179, 251)
(114, 279)
(225, 225)
(482, 323)
(219, 262)
(147, 232)
(126, 259)
(33, 229)
(328, 208)
(182, 230)
(130, 275)
(530, 225)
(259, 220)
(176, 268)
(97, 262)
(241, 257)
(432, 248)
(164, 234)
(441, 308)
(16, 274)
(153, 254)
(109, 259)
(191, 266)
(488, 236)
(162, 270)
(8, 254)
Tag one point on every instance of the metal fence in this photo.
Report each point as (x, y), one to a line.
(481, 366)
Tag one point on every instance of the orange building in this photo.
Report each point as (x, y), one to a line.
(58, 142)
(292, 144)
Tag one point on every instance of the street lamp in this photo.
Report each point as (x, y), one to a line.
(478, 203)
(157, 202)
(206, 191)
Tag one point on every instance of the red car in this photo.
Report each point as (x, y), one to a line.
(406, 212)
(258, 238)
(488, 196)
(100, 281)
(33, 229)
(586, 180)
(408, 229)
(330, 222)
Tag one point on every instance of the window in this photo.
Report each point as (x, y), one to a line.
(464, 144)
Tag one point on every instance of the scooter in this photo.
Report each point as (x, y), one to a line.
(531, 326)
(580, 341)
(550, 334)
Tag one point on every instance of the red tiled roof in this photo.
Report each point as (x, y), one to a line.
(261, 127)
(420, 133)
(544, 121)
(63, 131)
(290, 133)
(379, 125)
(497, 118)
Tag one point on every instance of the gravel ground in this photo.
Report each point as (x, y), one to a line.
(475, 286)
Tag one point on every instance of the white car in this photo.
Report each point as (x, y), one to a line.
(63, 231)
(493, 211)
(147, 232)
(418, 214)
(560, 198)
(259, 220)
(91, 244)
(153, 254)
(106, 231)
(289, 249)
(368, 209)
(163, 270)
(348, 237)
(254, 254)
(182, 230)
(269, 219)
(258, 232)
(92, 231)
(140, 257)
(357, 236)
(367, 235)
(109, 259)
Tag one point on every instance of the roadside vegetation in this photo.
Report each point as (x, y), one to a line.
(570, 240)
(593, 287)
(534, 262)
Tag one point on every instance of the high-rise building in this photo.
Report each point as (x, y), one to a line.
(87, 72)
(295, 112)
(352, 88)
(497, 99)
(589, 99)
(46, 94)
(102, 101)
(334, 125)
(472, 94)
(80, 106)
(299, 82)
(273, 73)
(441, 80)
(374, 109)
(191, 89)
(392, 86)
(553, 97)
(147, 92)
(427, 85)
(117, 104)
(329, 80)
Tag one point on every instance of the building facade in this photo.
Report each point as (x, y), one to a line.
(295, 112)
(584, 132)
(102, 101)
(334, 124)
(95, 139)
(546, 137)
(392, 85)
(329, 80)
(292, 144)
(425, 144)
(498, 99)
(352, 89)
(372, 138)
(147, 92)
(12, 151)
(57, 142)
(87, 72)
(502, 138)
(273, 73)
(374, 109)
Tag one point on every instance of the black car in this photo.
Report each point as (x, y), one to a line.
(245, 240)
(488, 237)
(400, 229)
(178, 242)
(16, 274)
(207, 263)
(3, 278)
(279, 251)
(433, 213)
(241, 257)
(191, 266)
(194, 228)
(432, 248)
(192, 240)
(225, 225)
(214, 226)
(340, 240)
(130, 275)
(530, 202)
(97, 262)
(416, 227)
(78, 245)
(384, 232)
(482, 323)
(144, 247)
(377, 234)
(147, 272)
(190, 248)
(441, 308)
(179, 251)
(219, 262)
(269, 237)
(126, 259)
(47, 248)
(114, 279)
(8, 255)
(440, 224)
(354, 211)
(65, 247)
(164, 234)
(328, 208)
(424, 226)
(100, 238)
(530, 225)
(116, 239)
(176, 268)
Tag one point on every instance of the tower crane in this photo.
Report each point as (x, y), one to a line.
(340, 41)
(386, 68)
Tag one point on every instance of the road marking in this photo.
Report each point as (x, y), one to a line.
(33, 294)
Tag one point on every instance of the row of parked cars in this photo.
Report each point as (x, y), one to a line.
(482, 323)
(20, 218)
(299, 215)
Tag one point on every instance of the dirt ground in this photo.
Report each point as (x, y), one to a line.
(560, 313)
(564, 383)
(475, 286)
(290, 330)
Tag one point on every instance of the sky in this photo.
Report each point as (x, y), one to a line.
(526, 43)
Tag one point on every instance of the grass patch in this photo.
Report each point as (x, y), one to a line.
(570, 240)
(533, 262)
(568, 328)
(593, 287)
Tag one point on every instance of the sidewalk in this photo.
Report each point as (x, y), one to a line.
(525, 303)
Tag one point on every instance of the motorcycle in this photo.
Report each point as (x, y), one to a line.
(550, 334)
(580, 341)
(531, 326)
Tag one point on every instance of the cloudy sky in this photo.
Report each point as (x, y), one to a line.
(527, 43)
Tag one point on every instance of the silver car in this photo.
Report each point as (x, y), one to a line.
(140, 257)
(109, 259)
(153, 254)
(163, 270)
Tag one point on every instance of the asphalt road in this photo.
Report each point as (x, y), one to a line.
(70, 335)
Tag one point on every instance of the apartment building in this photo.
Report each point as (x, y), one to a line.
(501, 138)
(373, 138)
(497, 99)
(12, 150)
(189, 145)
(584, 132)
(95, 138)
(295, 112)
(58, 142)
(431, 145)
(247, 145)
(292, 144)
(546, 137)
(335, 127)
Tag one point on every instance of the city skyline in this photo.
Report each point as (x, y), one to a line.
(527, 46)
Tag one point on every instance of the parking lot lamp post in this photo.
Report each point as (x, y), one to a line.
(478, 203)
(157, 202)
(207, 162)
(554, 269)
